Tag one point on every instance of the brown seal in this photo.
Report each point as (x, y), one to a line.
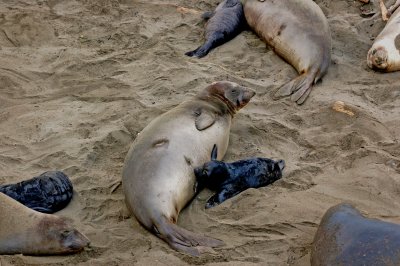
(25, 231)
(384, 54)
(158, 177)
(298, 31)
(345, 237)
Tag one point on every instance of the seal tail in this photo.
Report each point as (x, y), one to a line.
(183, 240)
(299, 87)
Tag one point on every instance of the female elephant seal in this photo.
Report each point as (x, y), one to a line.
(345, 237)
(384, 54)
(224, 24)
(298, 31)
(158, 178)
(23, 230)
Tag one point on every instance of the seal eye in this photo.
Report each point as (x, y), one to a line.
(65, 233)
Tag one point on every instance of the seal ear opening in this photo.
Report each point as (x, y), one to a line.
(214, 153)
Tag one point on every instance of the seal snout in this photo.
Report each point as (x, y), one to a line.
(281, 164)
(75, 241)
(378, 58)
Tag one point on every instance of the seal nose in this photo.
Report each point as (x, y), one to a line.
(281, 164)
(378, 58)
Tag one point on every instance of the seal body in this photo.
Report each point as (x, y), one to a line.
(25, 231)
(47, 193)
(345, 237)
(158, 179)
(298, 31)
(225, 23)
(384, 54)
(229, 179)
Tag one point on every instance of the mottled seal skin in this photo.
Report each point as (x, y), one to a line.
(384, 54)
(298, 31)
(345, 237)
(225, 23)
(25, 231)
(229, 179)
(158, 177)
(47, 193)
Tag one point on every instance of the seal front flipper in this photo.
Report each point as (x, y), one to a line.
(204, 119)
(183, 240)
(227, 192)
(207, 15)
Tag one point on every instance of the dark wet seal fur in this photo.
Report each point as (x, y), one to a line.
(346, 237)
(229, 179)
(47, 193)
(225, 23)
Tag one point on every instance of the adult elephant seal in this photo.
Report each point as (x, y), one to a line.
(345, 237)
(223, 24)
(384, 54)
(298, 31)
(158, 177)
(25, 231)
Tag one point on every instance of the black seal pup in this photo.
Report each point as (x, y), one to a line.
(225, 23)
(229, 179)
(346, 237)
(47, 193)
(158, 177)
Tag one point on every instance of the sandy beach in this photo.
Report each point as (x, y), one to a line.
(79, 79)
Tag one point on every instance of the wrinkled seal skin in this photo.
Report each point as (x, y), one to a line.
(28, 232)
(158, 178)
(225, 23)
(345, 237)
(229, 179)
(384, 54)
(298, 31)
(47, 193)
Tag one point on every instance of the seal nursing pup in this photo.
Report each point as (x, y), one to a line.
(298, 31)
(25, 231)
(224, 24)
(47, 193)
(384, 54)
(229, 179)
(345, 237)
(158, 178)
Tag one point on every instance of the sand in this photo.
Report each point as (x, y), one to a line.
(80, 78)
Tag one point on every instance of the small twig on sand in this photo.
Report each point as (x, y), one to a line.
(384, 11)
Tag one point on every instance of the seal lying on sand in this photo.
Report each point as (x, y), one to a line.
(29, 232)
(384, 54)
(298, 31)
(345, 237)
(229, 179)
(158, 178)
(47, 193)
(224, 24)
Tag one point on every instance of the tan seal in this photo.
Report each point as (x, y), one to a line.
(298, 31)
(158, 178)
(384, 54)
(25, 231)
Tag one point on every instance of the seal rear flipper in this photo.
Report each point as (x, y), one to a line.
(299, 88)
(183, 240)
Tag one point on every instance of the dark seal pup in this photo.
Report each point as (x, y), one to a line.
(158, 177)
(298, 31)
(28, 232)
(229, 179)
(225, 23)
(47, 193)
(346, 237)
